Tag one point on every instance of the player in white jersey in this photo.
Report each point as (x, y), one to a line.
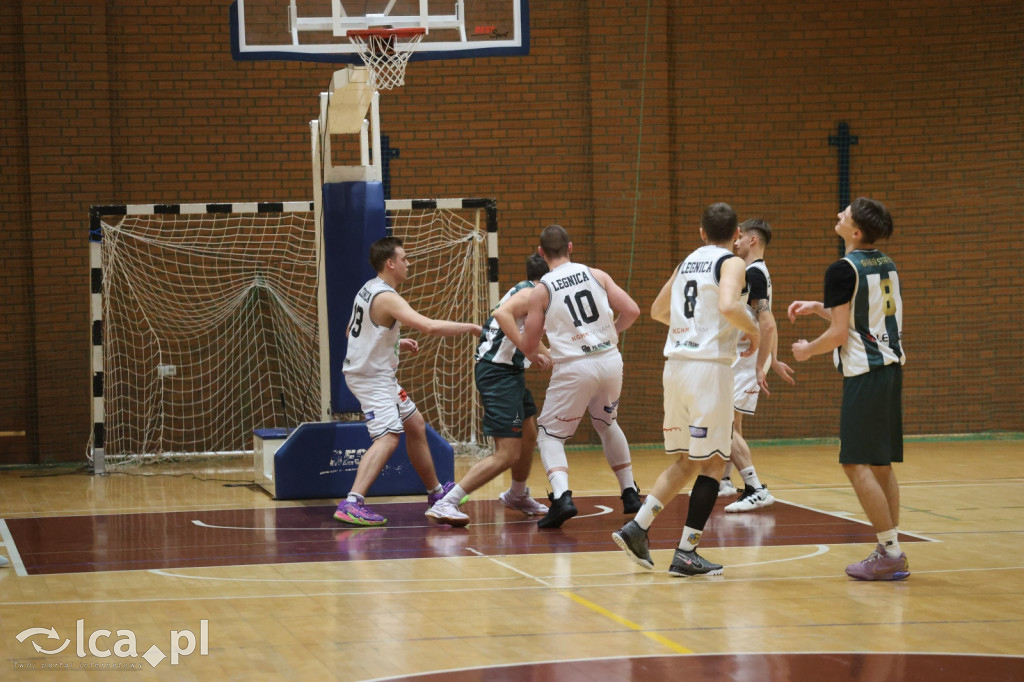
(509, 411)
(749, 370)
(704, 304)
(577, 307)
(374, 331)
(864, 309)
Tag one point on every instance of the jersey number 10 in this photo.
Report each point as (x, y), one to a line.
(586, 306)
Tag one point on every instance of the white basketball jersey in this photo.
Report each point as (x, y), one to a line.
(372, 349)
(579, 320)
(697, 330)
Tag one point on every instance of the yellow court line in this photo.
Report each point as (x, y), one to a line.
(664, 641)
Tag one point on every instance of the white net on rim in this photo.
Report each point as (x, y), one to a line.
(385, 54)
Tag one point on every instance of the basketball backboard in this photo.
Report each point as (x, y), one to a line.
(315, 30)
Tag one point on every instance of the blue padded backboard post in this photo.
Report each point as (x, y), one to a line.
(354, 218)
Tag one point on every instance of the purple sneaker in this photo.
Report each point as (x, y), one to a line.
(358, 514)
(880, 566)
(433, 498)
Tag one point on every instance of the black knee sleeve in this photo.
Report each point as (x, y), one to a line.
(702, 502)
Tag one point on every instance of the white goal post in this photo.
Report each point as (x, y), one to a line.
(205, 322)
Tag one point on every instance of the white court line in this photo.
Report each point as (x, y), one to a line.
(845, 516)
(202, 524)
(12, 549)
(818, 551)
(668, 580)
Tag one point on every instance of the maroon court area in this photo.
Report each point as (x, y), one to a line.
(770, 667)
(290, 534)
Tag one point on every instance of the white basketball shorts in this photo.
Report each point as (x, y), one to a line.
(384, 403)
(591, 384)
(698, 408)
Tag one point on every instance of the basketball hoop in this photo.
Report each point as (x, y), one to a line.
(386, 51)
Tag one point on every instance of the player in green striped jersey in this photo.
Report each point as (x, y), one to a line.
(510, 415)
(863, 306)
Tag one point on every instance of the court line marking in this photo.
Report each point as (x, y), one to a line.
(602, 492)
(516, 570)
(847, 516)
(202, 524)
(660, 639)
(12, 549)
(819, 550)
(618, 584)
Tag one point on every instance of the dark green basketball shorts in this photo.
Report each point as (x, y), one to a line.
(871, 418)
(506, 400)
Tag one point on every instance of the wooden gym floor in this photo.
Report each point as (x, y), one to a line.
(278, 590)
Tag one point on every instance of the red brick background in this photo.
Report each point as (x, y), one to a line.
(623, 122)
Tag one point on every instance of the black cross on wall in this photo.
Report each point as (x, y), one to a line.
(843, 140)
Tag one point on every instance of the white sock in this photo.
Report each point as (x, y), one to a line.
(750, 478)
(355, 498)
(518, 488)
(648, 510)
(559, 481)
(890, 541)
(690, 539)
(436, 490)
(454, 495)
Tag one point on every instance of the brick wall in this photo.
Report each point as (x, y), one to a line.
(621, 125)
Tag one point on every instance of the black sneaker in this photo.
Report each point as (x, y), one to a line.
(631, 501)
(561, 510)
(632, 539)
(690, 563)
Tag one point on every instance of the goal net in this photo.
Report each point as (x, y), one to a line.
(205, 323)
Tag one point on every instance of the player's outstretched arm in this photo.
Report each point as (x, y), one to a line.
(801, 308)
(396, 307)
(625, 307)
(833, 337)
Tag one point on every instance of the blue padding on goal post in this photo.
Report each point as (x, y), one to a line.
(354, 218)
(319, 460)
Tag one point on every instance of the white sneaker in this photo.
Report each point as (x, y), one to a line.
(448, 512)
(726, 488)
(752, 499)
(4, 562)
(524, 503)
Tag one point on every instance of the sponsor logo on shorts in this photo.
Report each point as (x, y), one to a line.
(698, 432)
(369, 416)
(403, 396)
